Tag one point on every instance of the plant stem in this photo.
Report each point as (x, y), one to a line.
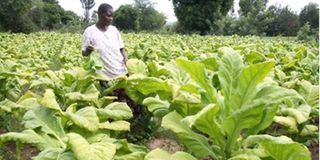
(18, 150)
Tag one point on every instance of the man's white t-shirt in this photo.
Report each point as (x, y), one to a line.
(107, 44)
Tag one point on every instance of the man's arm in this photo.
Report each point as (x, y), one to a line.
(124, 54)
(87, 46)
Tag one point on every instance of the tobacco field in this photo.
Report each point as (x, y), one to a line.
(186, 98)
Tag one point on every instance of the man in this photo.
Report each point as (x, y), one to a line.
(106, 40)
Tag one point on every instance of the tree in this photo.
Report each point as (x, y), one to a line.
(252, 6)
(200, 15)
(87, 5)
(307, 34)
(151, 19)
(285, 21)
(310, 13)
(14, 16)
(127, 17)
(52, 15)
(140, 16)
(69, 16)
(254, 18)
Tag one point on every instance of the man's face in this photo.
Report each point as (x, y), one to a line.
(107, 17)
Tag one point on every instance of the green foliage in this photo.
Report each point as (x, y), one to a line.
(254, 20)
(93, 62)
(151, 19)
(308, 34)
(310, 13)
(33, 15)
(14, 16)
(141, 16)
(200, 15)
(280, 148)
(241, 108)
(252, 6)
(126, 17)
(285, 22)
(217, 99)
(159, 154)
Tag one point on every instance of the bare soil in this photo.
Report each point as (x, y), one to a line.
(168, 144)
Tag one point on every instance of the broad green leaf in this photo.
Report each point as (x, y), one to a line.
(83, 84)
(159, 154)
(177, 74)
(8, 105)
(196, 71)
(136, 66)
(115, 125)
(230, 67)
(82, 150)
(187, 94)
(301, 114)
(266, 120)
(93, 62)
(244, 118)
(28, 95)
(254, 57)
(52, 75)
(250, 153)
(49, 101)
(104, 101)
(91, 94)
(211, 63)
(309, 130)
(116, 111)
(156, 70)
(148, 85)
(196, 143)
(129, 151)
(289, 122)
(131, 156)
(155, 103)
(310, 93)
(248, 80)
(279, 148)
(41, 141)
(182, 155)
(85, 118)
(279, 74)
(275, 94)
(46, 120)
(54, 154)
(205, 121)
(29, 103)
(42, 81)
(245, 157)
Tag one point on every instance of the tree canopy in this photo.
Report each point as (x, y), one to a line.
(140, 16)
(200, 15)
(33, 15)
(127, 17)
(310, 13)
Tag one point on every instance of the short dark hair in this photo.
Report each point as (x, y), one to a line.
(103, 8)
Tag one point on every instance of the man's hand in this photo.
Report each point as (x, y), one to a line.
(124, 54)
(88, 51)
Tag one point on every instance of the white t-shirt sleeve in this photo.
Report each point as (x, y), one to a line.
(85, 39)
(120, 41)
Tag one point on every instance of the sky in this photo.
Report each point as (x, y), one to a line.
(166, 7)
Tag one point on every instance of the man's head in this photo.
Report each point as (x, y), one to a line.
(105, 14)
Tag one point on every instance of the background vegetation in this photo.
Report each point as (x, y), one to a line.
(194, 16)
